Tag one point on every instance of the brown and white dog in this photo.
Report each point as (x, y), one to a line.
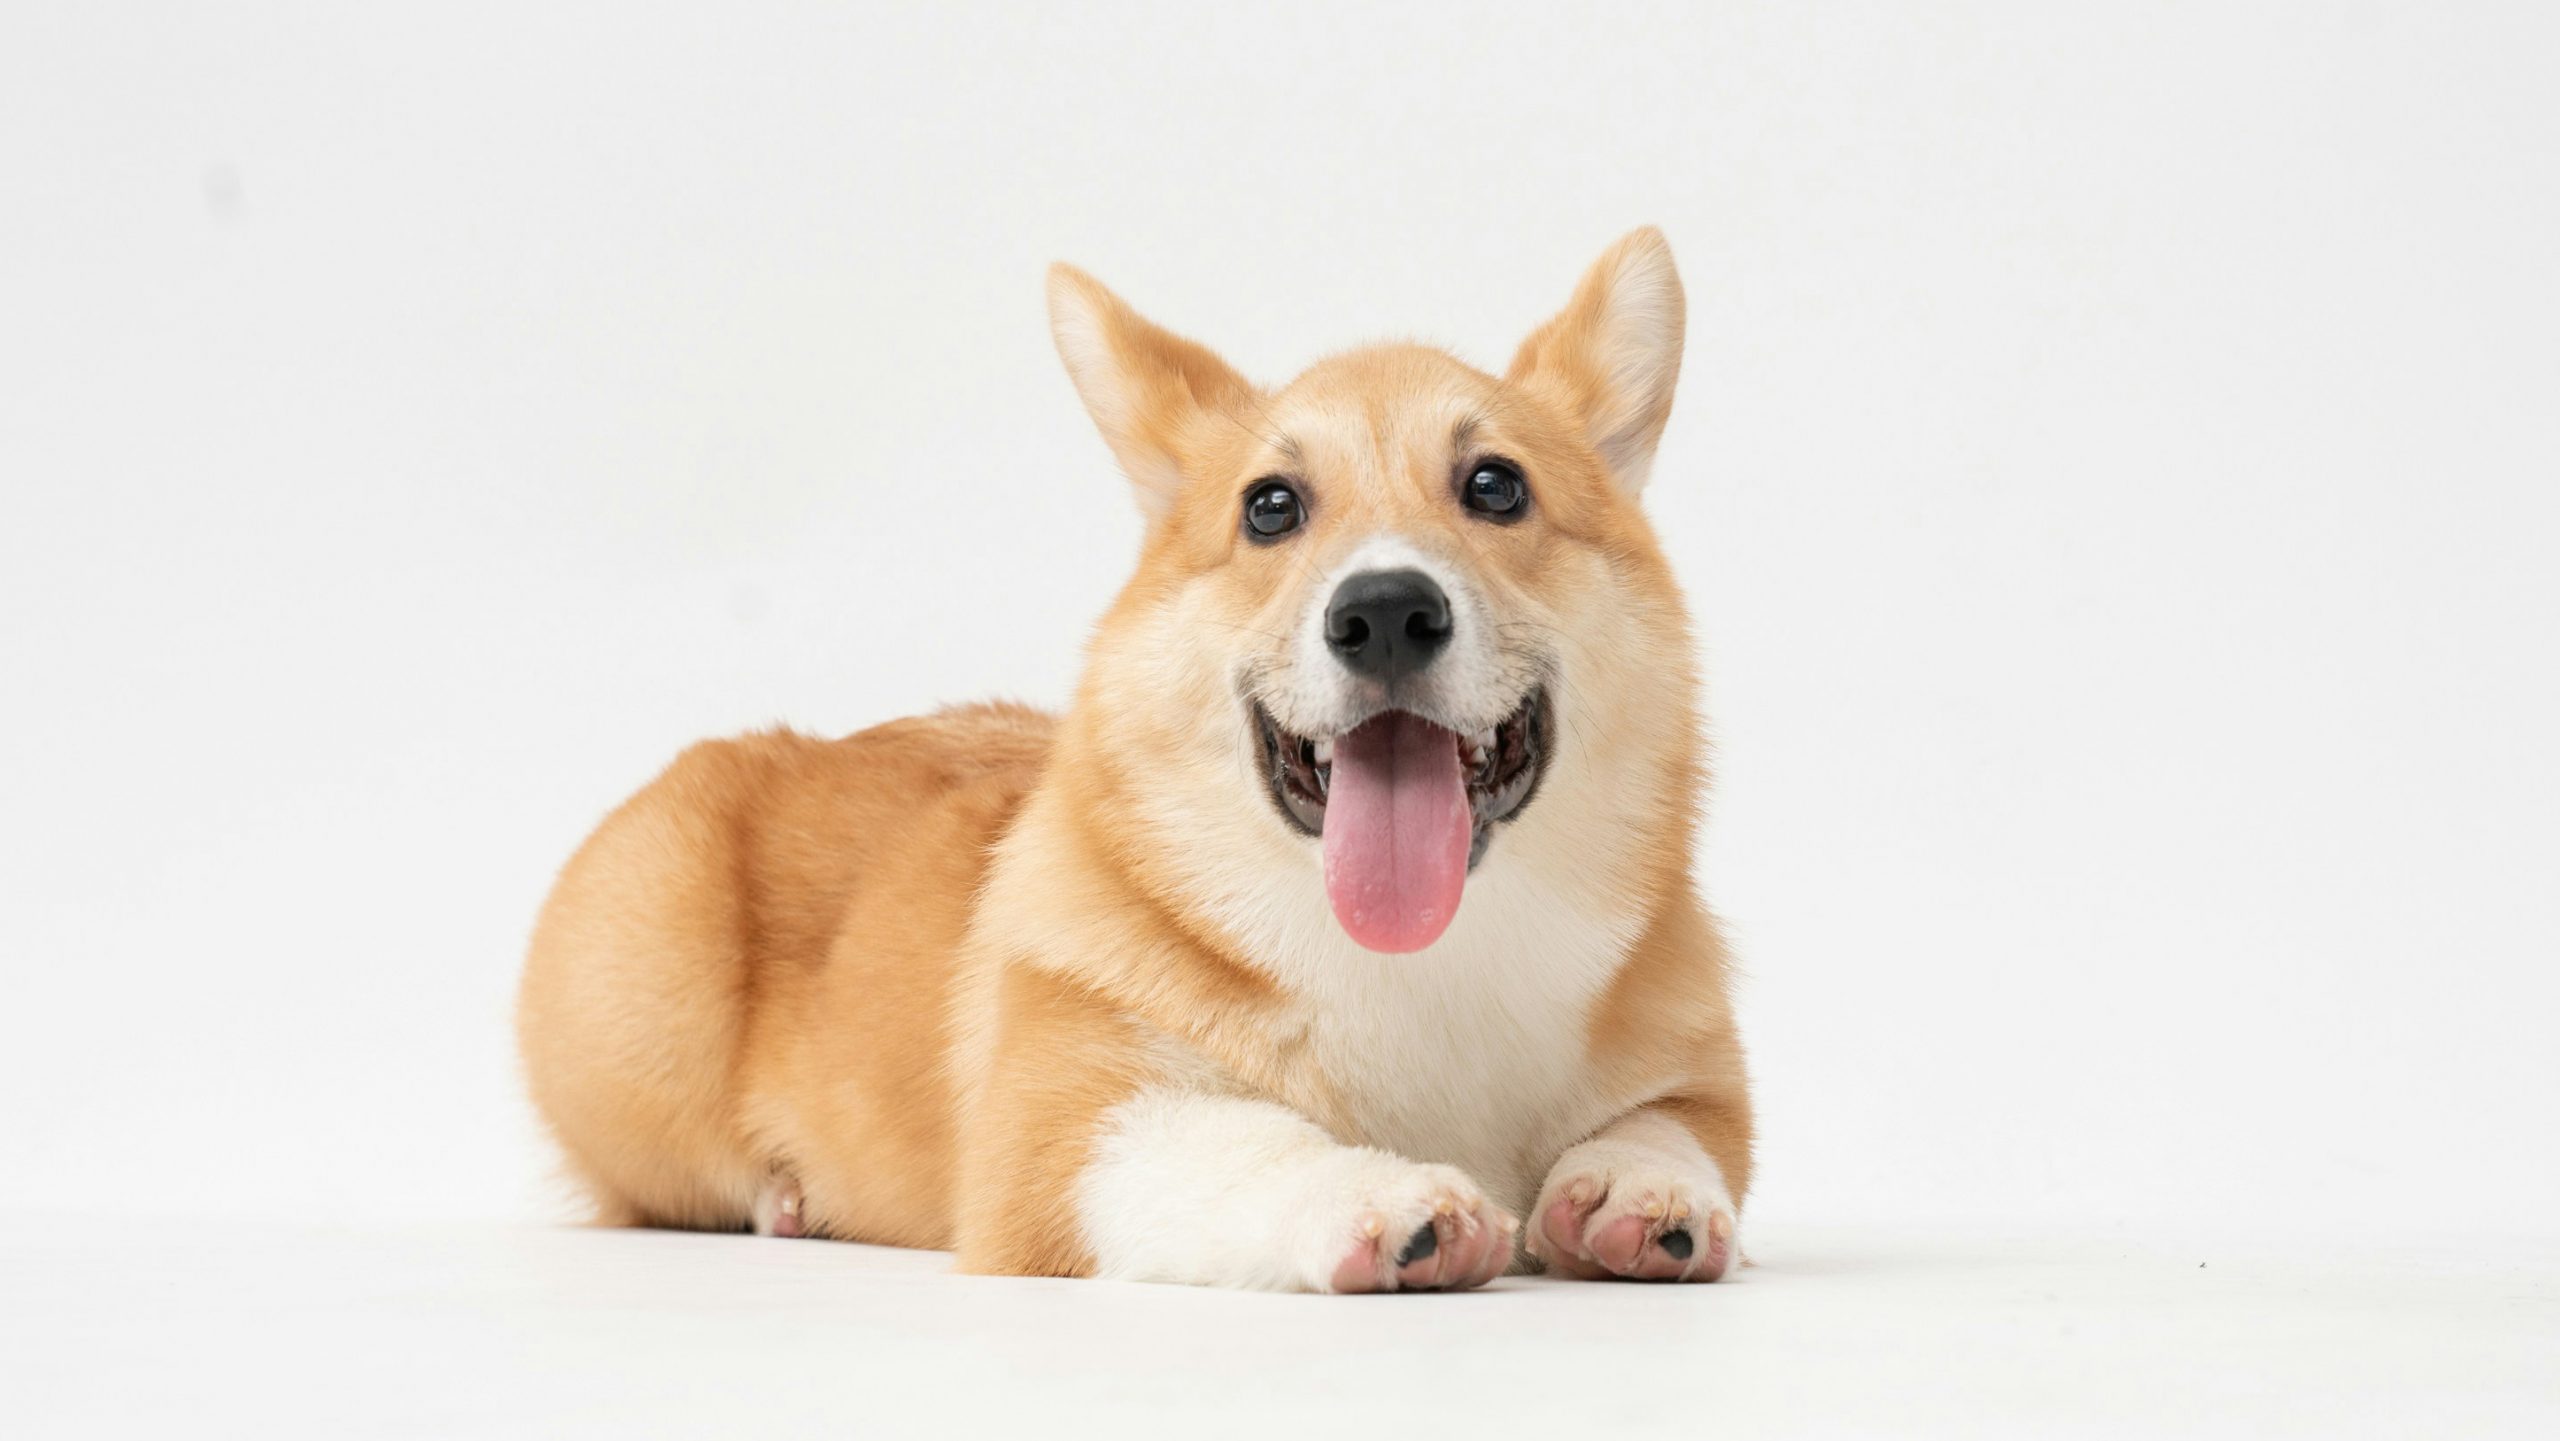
(1345, 916)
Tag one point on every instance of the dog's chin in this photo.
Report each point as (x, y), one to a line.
(1503, 766)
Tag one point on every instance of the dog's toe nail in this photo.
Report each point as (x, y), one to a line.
(1419, 1246)
(1678, 1245)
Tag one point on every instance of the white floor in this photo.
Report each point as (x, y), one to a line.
(191, 1328)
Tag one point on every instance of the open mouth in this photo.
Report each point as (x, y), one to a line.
(1500, 767)
(1404, 807)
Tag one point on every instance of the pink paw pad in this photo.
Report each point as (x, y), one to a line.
(1453, 1250)
(1587, 1234)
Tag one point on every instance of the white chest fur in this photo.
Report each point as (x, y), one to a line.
(1473, 1052)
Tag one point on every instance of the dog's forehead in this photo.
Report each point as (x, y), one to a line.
(1376, 421)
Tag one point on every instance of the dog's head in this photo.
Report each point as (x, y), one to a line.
(1396, 618)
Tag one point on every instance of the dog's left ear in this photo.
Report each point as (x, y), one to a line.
(1154, 394)
(1612, 357)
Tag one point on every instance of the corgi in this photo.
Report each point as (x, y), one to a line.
(1339, 937)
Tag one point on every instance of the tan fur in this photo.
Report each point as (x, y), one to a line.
(913, 968)
(748, 964)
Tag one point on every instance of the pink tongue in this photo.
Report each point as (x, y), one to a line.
(1396, 832)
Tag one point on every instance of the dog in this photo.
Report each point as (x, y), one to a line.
(1339, 937)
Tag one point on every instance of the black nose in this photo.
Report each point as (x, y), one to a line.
(1387, 624)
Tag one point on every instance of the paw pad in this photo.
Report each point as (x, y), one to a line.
(1420, 1246)
(1592, 1229)
(1462, 1241)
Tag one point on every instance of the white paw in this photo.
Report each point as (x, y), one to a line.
(1617, 1211)
(776, 1211)
(1208, 1190)
(1376, 1222)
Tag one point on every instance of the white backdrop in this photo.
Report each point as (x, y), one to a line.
(2116, 474)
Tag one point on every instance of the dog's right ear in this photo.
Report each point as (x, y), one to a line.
(1153, 393)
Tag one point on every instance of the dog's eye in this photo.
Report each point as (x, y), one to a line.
(1496, 489)
(1272, 509)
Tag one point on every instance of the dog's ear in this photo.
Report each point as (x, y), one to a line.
(1612, 357)
(1152, 392)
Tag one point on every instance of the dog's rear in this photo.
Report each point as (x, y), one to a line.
(682, 967)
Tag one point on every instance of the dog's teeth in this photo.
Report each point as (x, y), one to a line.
(1483, 739)
(1324, 753)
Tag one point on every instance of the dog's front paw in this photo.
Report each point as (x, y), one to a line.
(1410, 1227)
(1602, 1218)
